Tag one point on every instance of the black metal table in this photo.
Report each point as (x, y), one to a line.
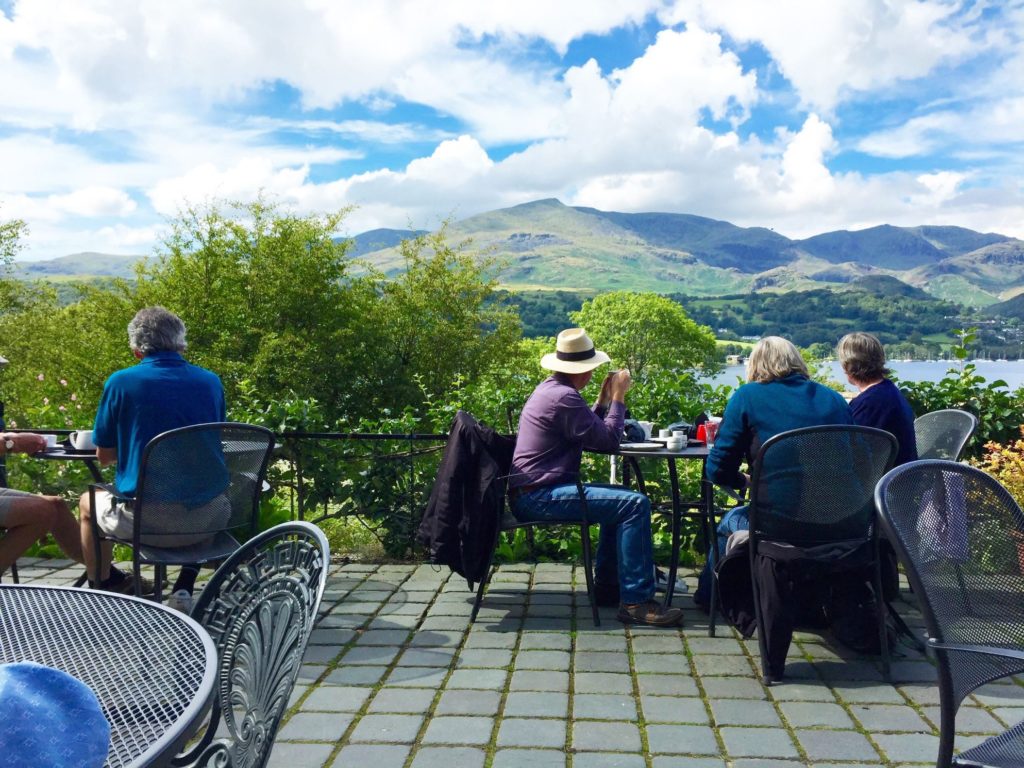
(702, 508)
(65, 453)
(152, 669)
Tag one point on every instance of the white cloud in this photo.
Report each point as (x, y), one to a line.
(168, 91)
(95, 201)
(88, 202)
(158, 53)
(990, 123)
(242, 181)
(828, 48)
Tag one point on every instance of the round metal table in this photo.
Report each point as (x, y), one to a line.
(152, 669)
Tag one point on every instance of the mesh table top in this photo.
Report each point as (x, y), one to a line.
(151, 668)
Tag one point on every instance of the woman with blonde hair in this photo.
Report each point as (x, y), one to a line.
(779, 395)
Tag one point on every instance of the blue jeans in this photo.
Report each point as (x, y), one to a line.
(736, 519)
(625, 551)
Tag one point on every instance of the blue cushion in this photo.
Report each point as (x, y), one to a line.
(49, 718)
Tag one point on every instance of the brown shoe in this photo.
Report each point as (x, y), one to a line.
(651, 613)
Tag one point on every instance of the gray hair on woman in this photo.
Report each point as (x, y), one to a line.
(155, 329)
(774, 358)
(862, 357)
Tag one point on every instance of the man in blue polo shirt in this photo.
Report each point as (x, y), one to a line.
(160, 393)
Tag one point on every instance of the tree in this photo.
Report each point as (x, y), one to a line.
(643, 331)
(266, 296)
(11, 234)
(437, 323)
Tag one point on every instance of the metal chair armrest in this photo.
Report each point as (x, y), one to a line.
(985, 650)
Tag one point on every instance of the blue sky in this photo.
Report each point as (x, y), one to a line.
(800, 115)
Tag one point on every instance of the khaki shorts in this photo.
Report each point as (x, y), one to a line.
(173, 520)
(7, 497)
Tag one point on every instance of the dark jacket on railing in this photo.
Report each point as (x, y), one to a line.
(461, 518)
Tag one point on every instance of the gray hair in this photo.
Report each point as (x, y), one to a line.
(155, 329)
(774, 358)
(862, 357)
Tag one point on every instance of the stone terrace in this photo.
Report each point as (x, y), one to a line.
(396, 677)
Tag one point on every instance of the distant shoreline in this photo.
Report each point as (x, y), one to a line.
(1010, 371)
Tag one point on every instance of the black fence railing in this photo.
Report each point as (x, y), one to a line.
(382, 479)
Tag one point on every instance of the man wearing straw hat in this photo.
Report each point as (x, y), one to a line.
(556, 426)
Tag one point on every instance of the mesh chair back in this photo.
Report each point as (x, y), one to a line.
(961, 537)
(259, 608)
(943, 434)
(199, 480)
(815, 485)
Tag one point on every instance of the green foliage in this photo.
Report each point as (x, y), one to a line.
(643, 331)
(439, 320)
(265, 295)
(11, 234)
(822, 315)
(544, 313)
(998, 410)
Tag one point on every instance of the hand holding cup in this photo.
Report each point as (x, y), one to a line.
(621, 384)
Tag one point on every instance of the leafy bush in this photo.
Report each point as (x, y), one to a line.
(998, 410)
(1005, 462)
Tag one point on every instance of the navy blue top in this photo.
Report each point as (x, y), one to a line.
(883, 406)
(162, 392)
(759, 410)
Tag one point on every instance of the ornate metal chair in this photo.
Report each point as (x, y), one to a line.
(943, 434)
(960, 537)
(259, 608)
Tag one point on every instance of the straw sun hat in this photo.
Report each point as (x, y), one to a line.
(574, 353)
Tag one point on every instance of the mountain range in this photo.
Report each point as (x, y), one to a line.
(548, 245)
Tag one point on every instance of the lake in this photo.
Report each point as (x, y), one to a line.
(1012, 371)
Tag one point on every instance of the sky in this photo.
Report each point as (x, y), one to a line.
(799, 115)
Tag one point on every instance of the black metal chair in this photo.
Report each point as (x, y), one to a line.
(259, 608)
(943, 434)
(812, 512)
(507, 523)
(198, 490)
(960, 537)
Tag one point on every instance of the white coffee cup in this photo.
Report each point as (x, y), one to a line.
(647, 427)
(82, 440)
(680, 433)
(664, 433)
(51, 441)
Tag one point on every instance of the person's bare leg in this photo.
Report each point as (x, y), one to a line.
(89, 546)
(27, 520)
(65, 529)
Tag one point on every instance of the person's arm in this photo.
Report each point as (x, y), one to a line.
(104, 430)
(585, 426)
(731, 445)
(22, 442)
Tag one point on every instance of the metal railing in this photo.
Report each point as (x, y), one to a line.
(383, 479)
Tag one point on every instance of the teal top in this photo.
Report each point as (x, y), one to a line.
(757, 411)
(161, 392)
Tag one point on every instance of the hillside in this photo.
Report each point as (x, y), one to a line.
(80, 265)
(1011, 308)
(545, 245)
(378, 239)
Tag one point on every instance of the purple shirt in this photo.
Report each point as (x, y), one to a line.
(556, 426)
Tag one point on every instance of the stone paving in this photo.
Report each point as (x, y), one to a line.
(396, 677)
